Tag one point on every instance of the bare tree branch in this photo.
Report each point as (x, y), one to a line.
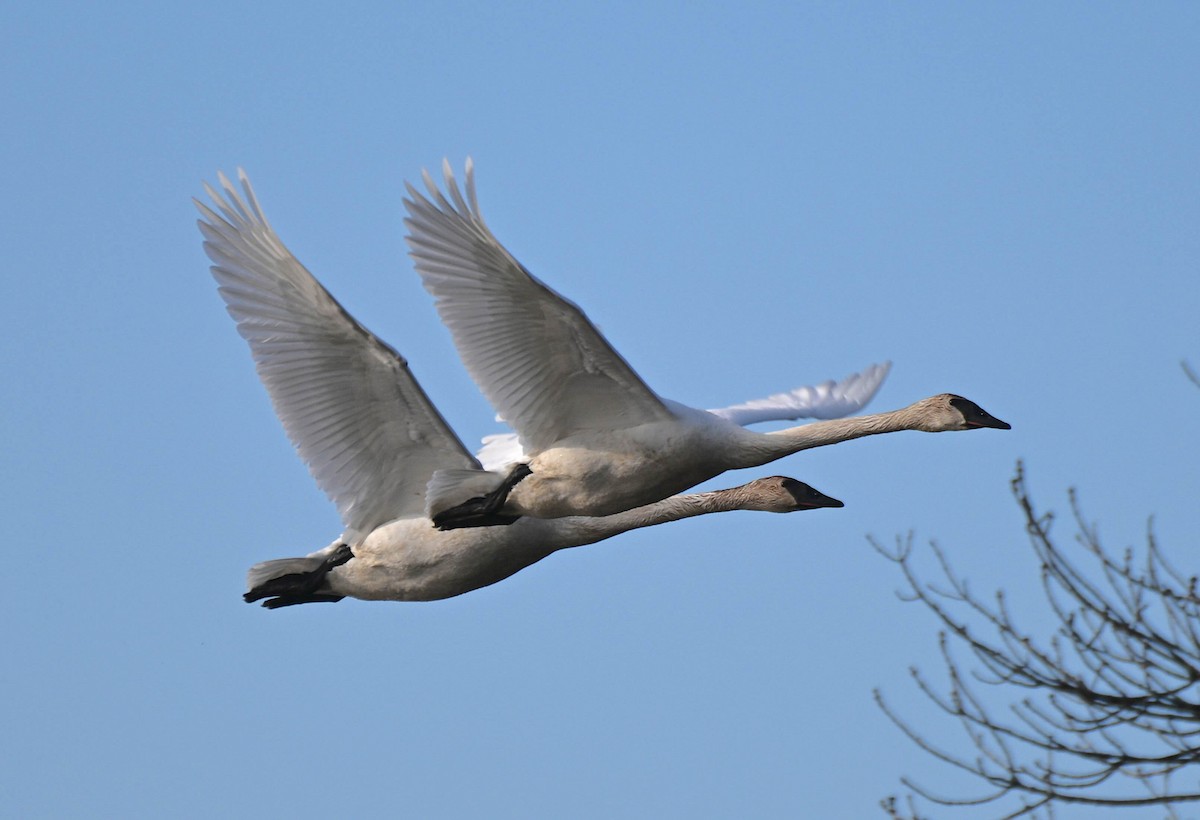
(1111, 707)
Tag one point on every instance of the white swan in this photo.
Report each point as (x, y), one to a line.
(372, 439)
(598, 440)
(827, 400)
(409, 560)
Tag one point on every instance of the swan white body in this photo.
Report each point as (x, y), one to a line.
(373, 439)
(828, 400)
(410, 560)
(597, 439)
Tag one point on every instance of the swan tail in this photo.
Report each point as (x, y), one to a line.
(471, 498)
(260, 573)
(449, 488)
(288, 581)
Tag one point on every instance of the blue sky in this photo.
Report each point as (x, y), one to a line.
(1002, 199)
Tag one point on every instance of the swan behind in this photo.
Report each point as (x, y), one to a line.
(596, 438)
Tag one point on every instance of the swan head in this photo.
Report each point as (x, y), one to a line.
(782, 494)
(937, 414)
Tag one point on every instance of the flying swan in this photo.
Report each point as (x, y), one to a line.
(595, 438)
(373, 439)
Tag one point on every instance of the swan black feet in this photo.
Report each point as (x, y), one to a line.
(292, 600)
(300, 587)
(483, 510)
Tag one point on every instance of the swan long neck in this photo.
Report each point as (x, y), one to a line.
(767, 447)
(579, 530)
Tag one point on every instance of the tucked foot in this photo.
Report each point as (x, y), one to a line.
(300, 587)
(484, 510)
(315, 598)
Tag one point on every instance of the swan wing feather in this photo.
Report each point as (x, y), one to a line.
(828, 400)
(348, 401)
(537, 358)
(500, 450)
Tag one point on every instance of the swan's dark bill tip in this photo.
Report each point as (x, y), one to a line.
(808, 498)
(975, 417)
(990, 421)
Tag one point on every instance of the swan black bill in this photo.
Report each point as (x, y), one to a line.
(809, 498)
(975, 416)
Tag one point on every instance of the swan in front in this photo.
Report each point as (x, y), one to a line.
(408, 559)
(373, 439)
(595, 439)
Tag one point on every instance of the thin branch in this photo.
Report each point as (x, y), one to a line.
(1113, 694)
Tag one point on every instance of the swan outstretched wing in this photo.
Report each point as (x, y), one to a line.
(537, 358)
(347, 400)
(828, 400)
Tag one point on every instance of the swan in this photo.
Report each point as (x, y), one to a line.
(827, 400)
(408, 559)
(372, 439)
(597, 440)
